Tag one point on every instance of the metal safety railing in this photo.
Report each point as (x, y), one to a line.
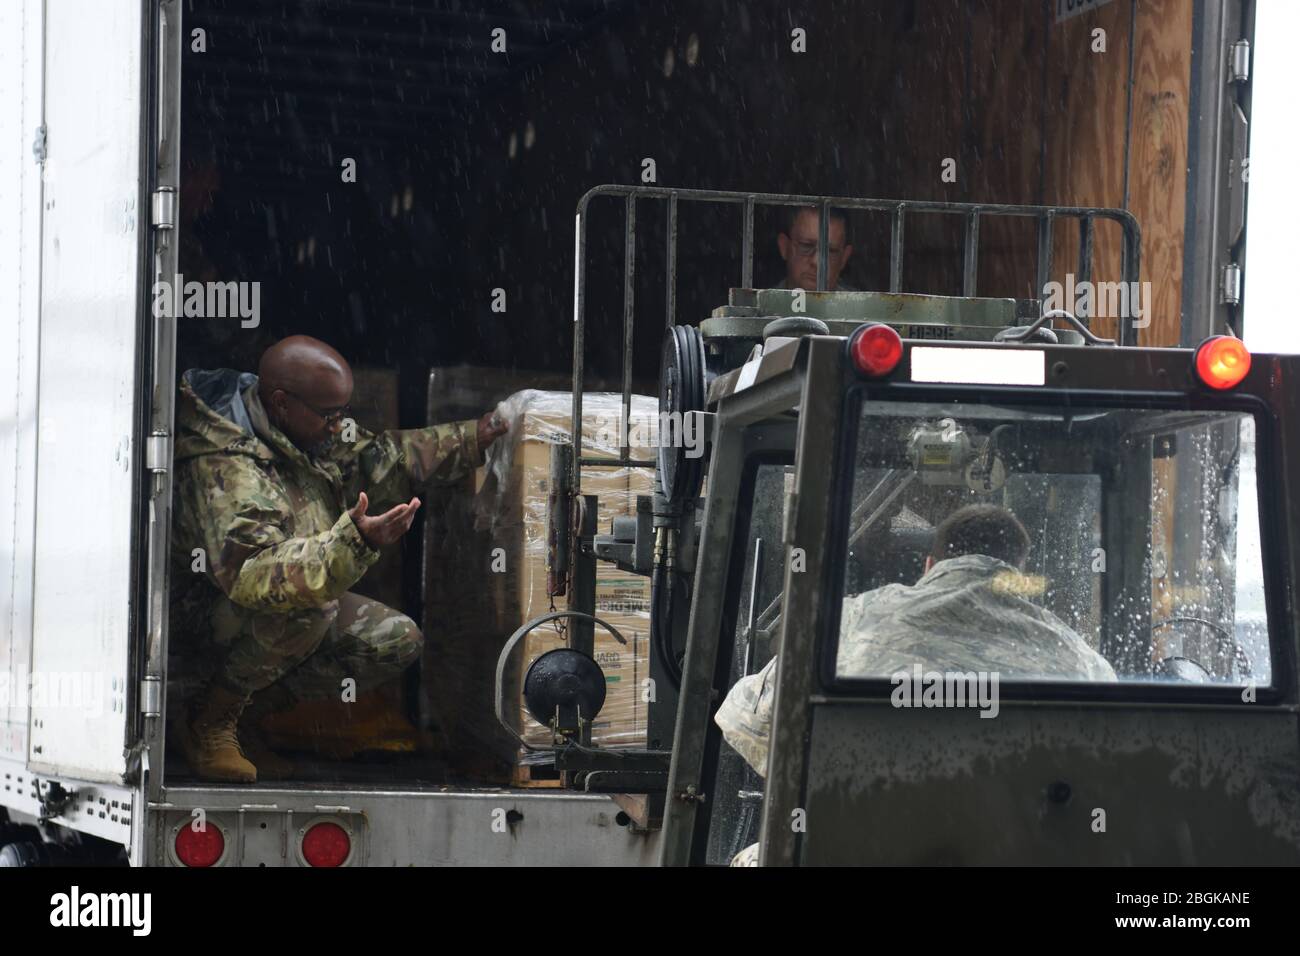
(899, 210)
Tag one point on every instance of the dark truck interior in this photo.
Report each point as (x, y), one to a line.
(469, 162)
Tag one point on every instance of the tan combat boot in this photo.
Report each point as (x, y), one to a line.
(210, 741)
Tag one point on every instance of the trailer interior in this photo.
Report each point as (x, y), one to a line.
(468, 163)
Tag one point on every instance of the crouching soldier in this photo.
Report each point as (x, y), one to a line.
(279, 489)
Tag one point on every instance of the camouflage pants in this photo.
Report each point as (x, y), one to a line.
(311, 652)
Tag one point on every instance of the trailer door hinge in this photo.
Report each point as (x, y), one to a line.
(1230, 285)
(163, 207)
(157, 451)
(38, 145)
(151, 696)
(1239, 62)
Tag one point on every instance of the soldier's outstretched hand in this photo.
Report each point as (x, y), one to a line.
(490, 427)
(378, 531)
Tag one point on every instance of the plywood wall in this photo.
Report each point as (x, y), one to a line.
(1037, 112)
(1084, 134)
(1007, 97)
(1158, 155)
(1087, 122)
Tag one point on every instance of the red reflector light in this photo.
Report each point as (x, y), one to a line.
(876, 350)
(1222, 361)
(326, 844)
(199, 847)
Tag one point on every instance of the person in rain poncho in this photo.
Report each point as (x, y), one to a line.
(966, 614)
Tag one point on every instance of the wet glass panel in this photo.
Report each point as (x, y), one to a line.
(737, 789)
(1057, 544)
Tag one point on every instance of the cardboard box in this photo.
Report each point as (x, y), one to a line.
(497, 562)
(450, 569)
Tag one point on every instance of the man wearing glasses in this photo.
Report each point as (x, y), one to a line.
(798, 246)
(279, 500)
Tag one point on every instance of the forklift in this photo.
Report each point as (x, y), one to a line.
(1159, 491)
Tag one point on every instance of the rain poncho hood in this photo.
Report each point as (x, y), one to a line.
(212, 413)
(965, 614)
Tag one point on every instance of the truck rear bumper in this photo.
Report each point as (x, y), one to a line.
(490, 827)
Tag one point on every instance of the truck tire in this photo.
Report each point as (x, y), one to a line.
(24, 854)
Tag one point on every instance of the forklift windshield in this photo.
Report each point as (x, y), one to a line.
(1143, 544)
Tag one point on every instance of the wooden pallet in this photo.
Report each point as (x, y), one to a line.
(535, 777)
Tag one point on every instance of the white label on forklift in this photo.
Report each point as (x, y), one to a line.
(967, 366)
(748, 372)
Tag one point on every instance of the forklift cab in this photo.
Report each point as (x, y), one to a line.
(1157, 488)
(1160, 504)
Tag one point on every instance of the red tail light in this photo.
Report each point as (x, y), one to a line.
(202, 847)
(876, 350)
(1222, 361)
(326, 844)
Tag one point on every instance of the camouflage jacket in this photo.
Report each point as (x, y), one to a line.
(965, 614)
(273, 523)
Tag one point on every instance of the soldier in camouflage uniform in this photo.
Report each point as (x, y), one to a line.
(966, 614)
(272, 493)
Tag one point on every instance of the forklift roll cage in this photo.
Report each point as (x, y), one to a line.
(898, 209)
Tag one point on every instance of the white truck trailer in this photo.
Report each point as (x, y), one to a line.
(89, 123)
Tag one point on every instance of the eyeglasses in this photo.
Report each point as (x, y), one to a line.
(806, 250)
(329, 415)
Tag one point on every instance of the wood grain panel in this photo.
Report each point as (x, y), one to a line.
(1008, 55)
(1158, 157)
(1084, 163)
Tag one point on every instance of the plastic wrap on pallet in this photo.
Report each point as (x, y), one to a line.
(499, 548)
(541, 418)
